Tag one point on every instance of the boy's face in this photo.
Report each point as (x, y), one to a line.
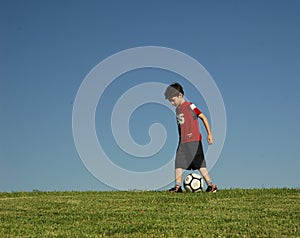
(177, 100)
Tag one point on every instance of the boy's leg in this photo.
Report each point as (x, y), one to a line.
(211, 187)
(205, 175)
(178, 176)
(179, 165)
(178, 181)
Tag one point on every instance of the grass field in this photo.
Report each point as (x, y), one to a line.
(227, 213)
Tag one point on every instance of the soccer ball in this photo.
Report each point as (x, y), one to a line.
(193, 183)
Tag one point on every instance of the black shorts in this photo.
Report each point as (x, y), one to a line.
(190, 156)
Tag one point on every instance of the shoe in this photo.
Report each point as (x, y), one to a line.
(176, 189)
(212, 188)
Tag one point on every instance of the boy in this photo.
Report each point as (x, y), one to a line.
(189, 154)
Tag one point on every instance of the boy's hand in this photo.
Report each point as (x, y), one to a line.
(210, 139)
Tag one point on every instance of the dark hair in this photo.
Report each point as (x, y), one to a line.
(173, 90)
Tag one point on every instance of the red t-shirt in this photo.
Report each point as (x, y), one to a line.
(187, 119)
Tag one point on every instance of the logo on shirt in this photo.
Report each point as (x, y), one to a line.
(180, 118)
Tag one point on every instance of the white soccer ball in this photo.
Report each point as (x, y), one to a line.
(193, 183)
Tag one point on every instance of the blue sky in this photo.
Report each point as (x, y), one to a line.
(251, 49)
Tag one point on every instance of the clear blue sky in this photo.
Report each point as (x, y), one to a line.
(251, 49)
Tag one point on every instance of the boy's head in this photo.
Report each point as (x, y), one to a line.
(174, 93)
(173, 90)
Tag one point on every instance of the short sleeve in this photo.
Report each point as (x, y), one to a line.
(195, 109)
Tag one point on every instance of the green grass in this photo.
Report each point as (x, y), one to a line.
(227, 213)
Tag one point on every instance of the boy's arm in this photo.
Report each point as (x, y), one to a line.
(207, 127)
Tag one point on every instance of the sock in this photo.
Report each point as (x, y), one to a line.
(178, 184)
(209, 182)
